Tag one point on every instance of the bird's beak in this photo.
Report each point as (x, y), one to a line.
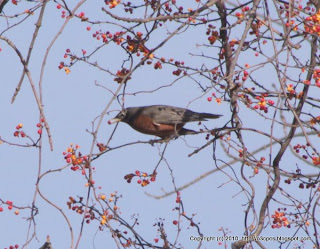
(114, 120)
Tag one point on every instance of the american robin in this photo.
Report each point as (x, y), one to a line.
(160, 120)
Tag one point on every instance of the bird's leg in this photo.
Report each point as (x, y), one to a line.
(154, 141)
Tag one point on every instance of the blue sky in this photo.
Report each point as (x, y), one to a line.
(73, 101)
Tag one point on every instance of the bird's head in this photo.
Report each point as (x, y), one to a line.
(121, 117)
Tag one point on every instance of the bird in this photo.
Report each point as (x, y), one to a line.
(163, 121)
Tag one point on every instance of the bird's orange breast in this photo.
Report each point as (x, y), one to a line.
(145, 124)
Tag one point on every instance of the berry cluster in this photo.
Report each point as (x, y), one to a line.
(121, 74)
(262, 104)
(10, 207)
(136, 45)
(316, 77)
(212, 33)
(101, 147)
(294, 176)
(241, 15)
(216, 74)
(18, 131)
(232, 44)
(71, 155)
(63, 14)
(99, 35)
(168, 5)
(105, 217)
(128, 7)
(316, 161)
(259, 164)
(299, 147)
(112, 199)
(78, 207)
(40, 126)
(144, 179)
(255, 28)
(218, 100)
(112, 3)
(280, 219)
(178, 198)
(82, 16)
(307, 185)
(12, 247)
(312, 24)
(291, 89)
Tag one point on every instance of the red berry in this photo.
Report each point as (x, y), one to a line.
(88, 28)
(175, 222)
(270, 102)
(40, 131)
(209, 99)
(1, 209)
(58, 6)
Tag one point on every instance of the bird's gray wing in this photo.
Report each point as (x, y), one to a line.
(163, 114)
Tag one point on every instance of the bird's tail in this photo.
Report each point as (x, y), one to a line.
(184, 131)
(209, 115)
